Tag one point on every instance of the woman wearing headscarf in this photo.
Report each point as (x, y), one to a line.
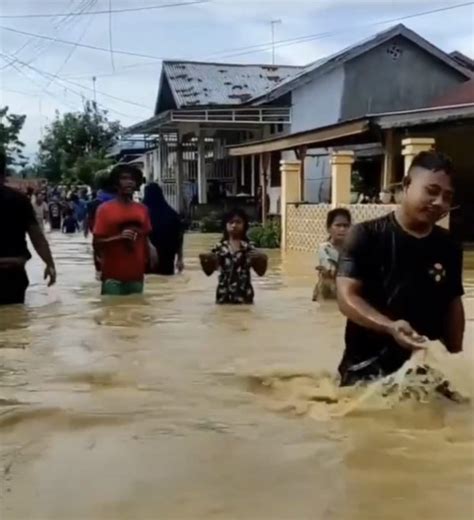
(167, 231)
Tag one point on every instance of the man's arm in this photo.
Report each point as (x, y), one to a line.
(41, 246)
(455, 326)
(356, 309)
(355, 267)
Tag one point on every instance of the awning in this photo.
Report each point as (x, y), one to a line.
(352, 132)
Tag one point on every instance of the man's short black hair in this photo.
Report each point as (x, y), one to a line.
(433, 161)
(132, 170)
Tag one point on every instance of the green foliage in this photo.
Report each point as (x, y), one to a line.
(75, 145)
(266, 237)
(10, 144)
(211, 223)
(357, 182)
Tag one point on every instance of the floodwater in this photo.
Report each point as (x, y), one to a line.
(169, 407)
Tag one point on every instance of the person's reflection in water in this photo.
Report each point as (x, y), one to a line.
(167, 231)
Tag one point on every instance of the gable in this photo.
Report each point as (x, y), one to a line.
(395, 75)
(324, 65)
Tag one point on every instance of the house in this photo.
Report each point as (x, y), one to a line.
(201, 108)
(211, 113)
(394, 70)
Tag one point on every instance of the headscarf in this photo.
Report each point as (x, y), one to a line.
(165, 221)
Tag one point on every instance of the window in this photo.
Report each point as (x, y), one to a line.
(275, 173)
(394, 51)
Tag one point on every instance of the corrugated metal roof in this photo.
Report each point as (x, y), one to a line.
(207, 84)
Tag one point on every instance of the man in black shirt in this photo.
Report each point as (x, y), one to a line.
(400, 278)
(17, 218)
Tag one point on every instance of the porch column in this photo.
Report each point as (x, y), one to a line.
(179, 176)
(290, 192)
(412, 146)
(147, 170)
(202, 181)
(242, 170)
(156, 164)
(389, 157)
(341, 172)
(252, 157)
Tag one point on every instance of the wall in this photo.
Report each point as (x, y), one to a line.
(378, 81)
(306, 223)
(318, 102)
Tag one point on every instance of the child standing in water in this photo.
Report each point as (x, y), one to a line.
(338, 223)
(234, 257)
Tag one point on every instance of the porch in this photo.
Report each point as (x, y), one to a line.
(398, 137)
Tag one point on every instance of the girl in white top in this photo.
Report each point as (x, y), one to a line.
(338, 223)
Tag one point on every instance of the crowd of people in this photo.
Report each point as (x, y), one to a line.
(397, 279)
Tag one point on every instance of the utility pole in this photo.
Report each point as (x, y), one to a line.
(40, 117)
(273, 23)
(94, 79)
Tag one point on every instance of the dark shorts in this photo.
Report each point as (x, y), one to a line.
(13, 285)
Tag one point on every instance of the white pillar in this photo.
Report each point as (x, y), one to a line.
(290, 192)
(242, 170)
(202, 181)
(156, 164)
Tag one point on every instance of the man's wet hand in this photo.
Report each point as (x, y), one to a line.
(50, 273)
(404, 334)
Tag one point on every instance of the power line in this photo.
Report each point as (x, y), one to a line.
(107, 11)
(234, 52)
(84, 45)
(48, 75)
(310, 37)
(111, 46)
(89, 4)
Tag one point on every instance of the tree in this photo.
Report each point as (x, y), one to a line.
(10, 144)
(75, 144)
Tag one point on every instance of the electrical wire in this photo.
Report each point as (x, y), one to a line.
(48, 75)
(111, 46)
(107, 11)
(83, 45)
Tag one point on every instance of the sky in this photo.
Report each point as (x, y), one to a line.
(39, 77)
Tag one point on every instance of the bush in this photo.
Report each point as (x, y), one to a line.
(266, 237)
(211, 223)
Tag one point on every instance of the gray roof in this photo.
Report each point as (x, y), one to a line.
(323, 65)
(219, 84)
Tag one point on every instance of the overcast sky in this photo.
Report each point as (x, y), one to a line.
(217, 30)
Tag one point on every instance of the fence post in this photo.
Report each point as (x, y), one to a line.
(341, 172)
(290, 192)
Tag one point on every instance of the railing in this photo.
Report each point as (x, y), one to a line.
(239, 115)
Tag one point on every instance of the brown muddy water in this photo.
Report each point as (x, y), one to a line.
(168, 407)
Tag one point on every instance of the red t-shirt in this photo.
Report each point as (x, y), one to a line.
(123, 260)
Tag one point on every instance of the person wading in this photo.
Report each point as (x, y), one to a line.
(399, 279)
(17, 219)
(121, 234)
(167, 231)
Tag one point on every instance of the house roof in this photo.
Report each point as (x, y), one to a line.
(218, 84)
(360, 130)
(463, 60)
(323, 65)
(459, 95)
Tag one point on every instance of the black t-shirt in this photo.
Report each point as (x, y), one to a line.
(16, 216)
(404, 277)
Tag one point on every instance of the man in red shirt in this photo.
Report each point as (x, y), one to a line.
(121, 234)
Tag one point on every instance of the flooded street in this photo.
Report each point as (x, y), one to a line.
(151, 407)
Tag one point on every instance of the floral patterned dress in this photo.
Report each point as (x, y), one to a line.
(235, 283)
